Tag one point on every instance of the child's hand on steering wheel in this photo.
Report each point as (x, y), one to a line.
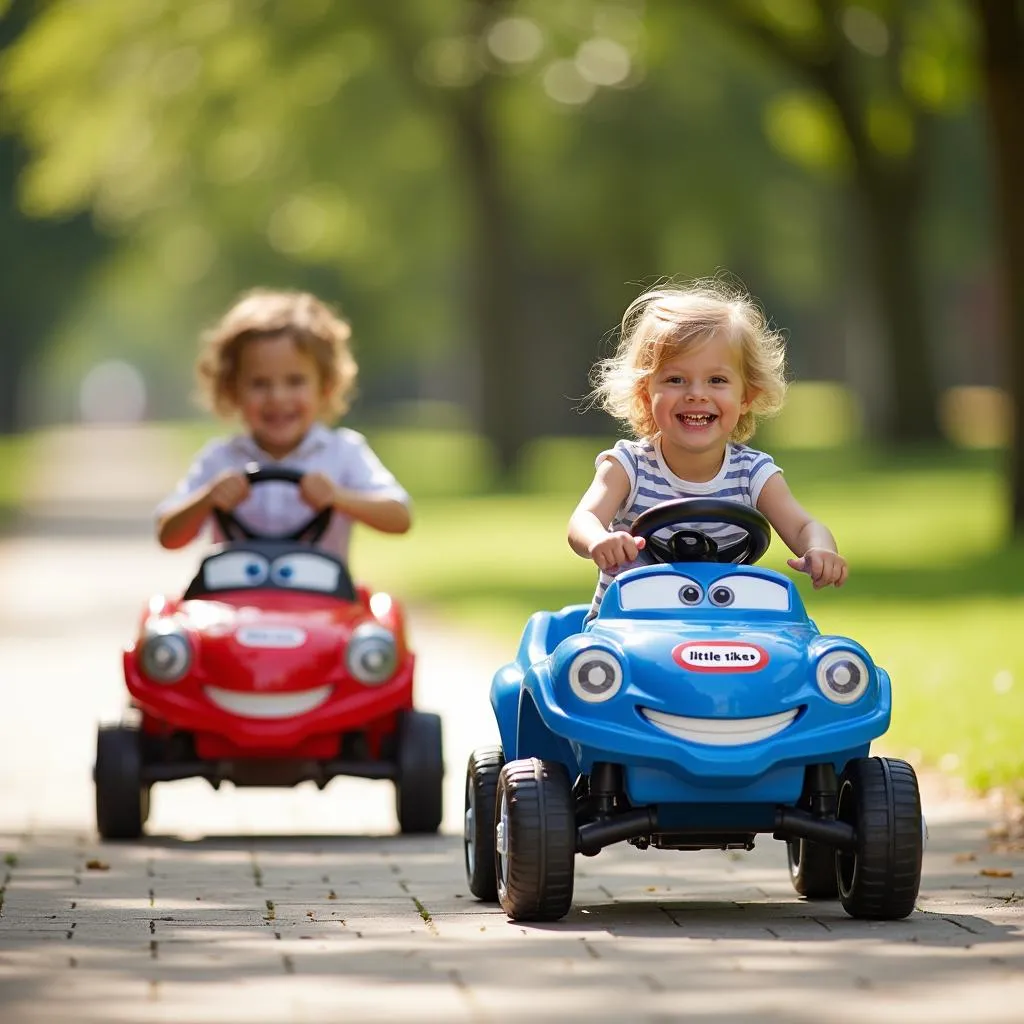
(616, 549)
(318, 491)
(229, 490)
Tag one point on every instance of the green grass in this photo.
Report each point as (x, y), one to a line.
(13, 467)
(932, 593)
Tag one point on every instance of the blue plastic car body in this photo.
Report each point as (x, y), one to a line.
(750, 671)
(698, 709)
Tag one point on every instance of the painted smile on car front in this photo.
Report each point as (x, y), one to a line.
(721, 732)
(267, 705)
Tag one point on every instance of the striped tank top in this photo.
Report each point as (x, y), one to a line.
(742, 476)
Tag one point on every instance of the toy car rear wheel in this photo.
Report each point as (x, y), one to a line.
(122, 799)
(880, 877)
(478, 832)
(418, 795)
(535, 840)
(812, 869)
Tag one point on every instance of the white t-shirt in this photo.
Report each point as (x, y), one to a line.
(743, 474)
(276, 508)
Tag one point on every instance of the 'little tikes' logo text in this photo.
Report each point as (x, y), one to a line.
(720, 656)
(282, 637)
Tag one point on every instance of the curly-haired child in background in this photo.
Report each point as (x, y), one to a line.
(280, 361)
(693, 368)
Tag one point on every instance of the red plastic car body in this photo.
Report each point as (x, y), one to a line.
(269, 676)
(271, 669)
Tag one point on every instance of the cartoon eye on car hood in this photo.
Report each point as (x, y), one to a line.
(269, 566)
(702, 593)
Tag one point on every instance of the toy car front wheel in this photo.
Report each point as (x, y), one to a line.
(122, 799)
(535, 840)
(418, 795)
(881, 876)
(812, 869)
(478, 834)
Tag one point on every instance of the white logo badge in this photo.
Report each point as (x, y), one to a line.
(271, 636)
(720, 656)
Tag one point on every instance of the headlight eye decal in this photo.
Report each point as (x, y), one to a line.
(165, 655)
(372, 655)
(842, 676)
(595, 675)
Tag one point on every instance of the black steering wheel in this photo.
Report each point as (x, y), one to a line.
(693, 545)
(234, 529)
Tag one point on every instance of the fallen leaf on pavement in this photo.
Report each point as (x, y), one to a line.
(995, 873)
(97, 865)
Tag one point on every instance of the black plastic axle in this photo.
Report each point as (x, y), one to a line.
(595, 835)
(792, 823)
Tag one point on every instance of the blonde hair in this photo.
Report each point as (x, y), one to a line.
(262, 313)
(666, 321)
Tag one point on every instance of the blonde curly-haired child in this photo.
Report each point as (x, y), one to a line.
(694, 367)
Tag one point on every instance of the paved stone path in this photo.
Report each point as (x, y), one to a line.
(304, 906)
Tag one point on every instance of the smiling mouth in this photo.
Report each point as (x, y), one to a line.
(697, 419)
(267, 705)
(720, 732)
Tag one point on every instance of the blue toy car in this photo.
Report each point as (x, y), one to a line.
(700, 708)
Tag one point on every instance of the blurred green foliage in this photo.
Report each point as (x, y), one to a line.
(226, 143)
(931, 594)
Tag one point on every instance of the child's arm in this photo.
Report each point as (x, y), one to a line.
(808, 539)
(381, 511)
(181, 524)
(588, 525)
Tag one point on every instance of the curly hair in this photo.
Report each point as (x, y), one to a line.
(264, 313)
(665, 321)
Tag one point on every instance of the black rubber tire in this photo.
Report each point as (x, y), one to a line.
(880, 878)
(535, 839)
(482, 773)
(418, 787)
(812, 869)
(122, 799)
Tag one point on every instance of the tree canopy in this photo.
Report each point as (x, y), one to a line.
(483, 185)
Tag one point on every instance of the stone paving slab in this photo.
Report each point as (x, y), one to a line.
(304, 906)
(726, 927)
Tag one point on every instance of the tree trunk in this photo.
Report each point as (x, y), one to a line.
(1003, 67)
(495, 288)
(891, 203)
(12, 363)
(55, 261)
(505, 393)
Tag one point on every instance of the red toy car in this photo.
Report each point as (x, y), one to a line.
(271, 669)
